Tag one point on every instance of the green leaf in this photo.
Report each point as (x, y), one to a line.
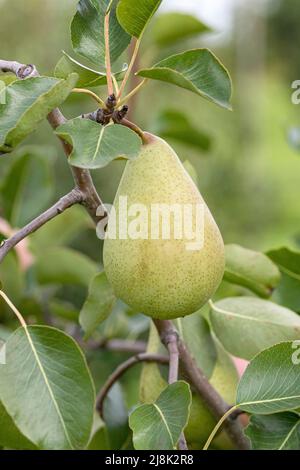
(100, 439)
(247, 325)
(60, 230)
(47, 389)
(194, 330)
(172, 27)
(63, 309)
(28, 186)
(28, 102)
(172, 124)
(87, 32)
(10, 436)
(95, 146)
(251, 269)
(271, 382)
(288, 261)
(98, 305)
(88, 78)
(197, 70)
(12, 278)
(134, 15)
(280, 431)
(60, 265)
(158, 426)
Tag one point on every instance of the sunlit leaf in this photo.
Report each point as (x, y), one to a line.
(95, 146)
(197, 70)
(251, 269)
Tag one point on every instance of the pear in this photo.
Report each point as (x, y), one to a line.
(162, 276)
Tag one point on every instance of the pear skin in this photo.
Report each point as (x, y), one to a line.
(161, 277)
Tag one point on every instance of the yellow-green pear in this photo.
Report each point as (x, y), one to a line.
(163, 252)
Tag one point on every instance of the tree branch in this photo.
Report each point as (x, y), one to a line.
(74, 197)
(213, 400)
(82, 178)
(115, 376)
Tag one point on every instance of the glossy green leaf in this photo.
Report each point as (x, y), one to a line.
(87, 32)
(54, 409)
(151, 381)
(172, 124)
(88, 78)
(197, 70)
(134, 15)
(28, 186)
(271, 382)
(10, 436)
(63, 309)
(247, 325)
(172, 27)
(95, 146)
(288, 261)
(28, 102)
(280, 431)
(60, 265)
(251, 269)
(98, 305)
(158, 426)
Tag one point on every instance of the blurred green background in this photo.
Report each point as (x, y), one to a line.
(249, 177)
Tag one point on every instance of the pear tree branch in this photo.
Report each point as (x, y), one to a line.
(117, 374)
(208, 393)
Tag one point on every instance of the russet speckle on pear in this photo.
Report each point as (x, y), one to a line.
(161, 278)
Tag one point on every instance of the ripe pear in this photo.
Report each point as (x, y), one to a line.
(161, 277)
